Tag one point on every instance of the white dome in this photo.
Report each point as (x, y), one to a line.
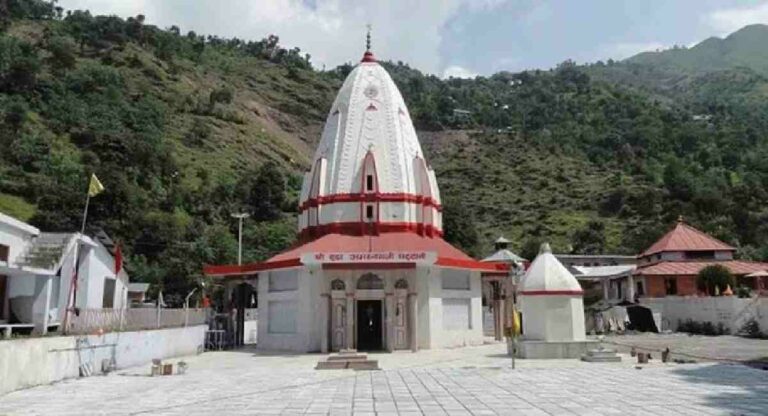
(369, 155)
(548, 276)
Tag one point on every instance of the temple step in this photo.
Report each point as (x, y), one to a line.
(601, 356)
(348, 360)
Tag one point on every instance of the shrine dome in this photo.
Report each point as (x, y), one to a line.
(547, 276)
(368, 174)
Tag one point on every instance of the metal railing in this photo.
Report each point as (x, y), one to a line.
(89, 321)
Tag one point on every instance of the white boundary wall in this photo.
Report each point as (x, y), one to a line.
(731, 311)
(34, 361)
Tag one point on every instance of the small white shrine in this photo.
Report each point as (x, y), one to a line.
(552, 308)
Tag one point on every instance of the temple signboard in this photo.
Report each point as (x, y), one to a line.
(418, 257)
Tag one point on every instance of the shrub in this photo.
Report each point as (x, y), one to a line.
(714, 277)
(751, 329)
(701, 328)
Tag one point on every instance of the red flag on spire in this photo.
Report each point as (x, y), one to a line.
(118, 258)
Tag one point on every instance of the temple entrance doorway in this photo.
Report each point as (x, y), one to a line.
(369, 329)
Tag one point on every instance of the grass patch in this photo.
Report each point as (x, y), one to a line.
(16, 207)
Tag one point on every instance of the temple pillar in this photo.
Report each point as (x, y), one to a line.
(499, 315)
(389, 322)
(351, 319)
(414, 321)
(325, 321)
(630, 288)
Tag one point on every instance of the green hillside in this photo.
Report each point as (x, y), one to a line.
(185, 129)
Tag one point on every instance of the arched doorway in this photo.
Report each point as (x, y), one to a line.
(370, 313)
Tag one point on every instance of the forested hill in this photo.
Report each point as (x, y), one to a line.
(184, 129)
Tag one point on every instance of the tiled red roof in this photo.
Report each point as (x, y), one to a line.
(689, 268)
(686, 238)
(447, 255)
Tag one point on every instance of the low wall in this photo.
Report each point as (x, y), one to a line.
(34, 361)
(731, 311)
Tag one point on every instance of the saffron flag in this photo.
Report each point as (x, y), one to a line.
(515, 322)
(95, 187)
(118, 259)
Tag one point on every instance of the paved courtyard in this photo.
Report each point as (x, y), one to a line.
(467, 381)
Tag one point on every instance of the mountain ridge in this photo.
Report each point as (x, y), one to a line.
(184, 129)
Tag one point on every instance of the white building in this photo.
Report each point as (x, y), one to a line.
(372, 271)
(552, 310)
(36, 270)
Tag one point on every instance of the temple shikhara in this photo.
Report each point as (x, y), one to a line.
(371, 270)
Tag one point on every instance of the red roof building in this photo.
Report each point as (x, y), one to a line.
(669, 267)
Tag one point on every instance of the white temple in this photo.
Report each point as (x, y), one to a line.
(370, 270)
(552, 308)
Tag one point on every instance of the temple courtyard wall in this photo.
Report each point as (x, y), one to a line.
(31, 362)
(730, 311)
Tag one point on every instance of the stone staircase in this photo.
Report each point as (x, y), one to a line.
(348, 360)
(45, 251)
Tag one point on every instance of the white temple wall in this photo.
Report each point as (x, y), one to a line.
(455, 308)
(287, 307)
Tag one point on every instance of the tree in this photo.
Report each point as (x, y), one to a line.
(714, 278)
(530, 248)
(590, 239)
(63, 54)
(459, 226)
(267, 193)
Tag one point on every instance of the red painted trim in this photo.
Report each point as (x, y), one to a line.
(356, 266)
(464, 264)
(368, 57)
(551, 292)
(251, 268)
(358, 229)
(370, 197)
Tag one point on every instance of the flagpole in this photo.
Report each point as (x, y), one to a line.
(72, 295)
(85, 211)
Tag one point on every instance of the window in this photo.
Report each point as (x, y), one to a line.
(108, 297)
(283, 281)
(640, 290)
(369, 183)
(456, 314)
(670, 283)
(699, 254)
(455, 279)
(4, 252)
(281, 316)
(369, 211)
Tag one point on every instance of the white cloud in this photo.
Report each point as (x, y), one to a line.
(456, 71)
(332, 31)
(726, 21)
(623, 50)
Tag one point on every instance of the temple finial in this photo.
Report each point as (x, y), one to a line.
(368, 55)
(368, 38)
(680, 218)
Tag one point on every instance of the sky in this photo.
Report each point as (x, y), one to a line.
(460, 38)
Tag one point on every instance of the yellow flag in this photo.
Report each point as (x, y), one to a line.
(95, 187)
(515, 322)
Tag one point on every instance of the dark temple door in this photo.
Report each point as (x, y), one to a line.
(369, 335)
